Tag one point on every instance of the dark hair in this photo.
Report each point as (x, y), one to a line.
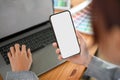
(109, 10)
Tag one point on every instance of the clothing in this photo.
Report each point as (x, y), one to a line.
(102, 70)
(25, 75)
(97, 68)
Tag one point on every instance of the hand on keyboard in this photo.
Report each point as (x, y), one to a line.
(20, 58)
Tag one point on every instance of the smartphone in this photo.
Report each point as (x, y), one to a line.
(65, 34)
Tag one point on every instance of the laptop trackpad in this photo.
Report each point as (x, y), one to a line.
(44, 60)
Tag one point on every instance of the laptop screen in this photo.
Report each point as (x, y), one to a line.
(18, 15)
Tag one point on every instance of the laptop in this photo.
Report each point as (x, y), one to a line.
(27, 22)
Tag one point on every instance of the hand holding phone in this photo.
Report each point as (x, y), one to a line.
(64, 30)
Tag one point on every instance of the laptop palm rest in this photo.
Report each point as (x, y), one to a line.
(44, 60)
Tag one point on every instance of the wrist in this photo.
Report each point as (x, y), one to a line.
(88, 60)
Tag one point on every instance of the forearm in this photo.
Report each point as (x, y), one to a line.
(100, 69)
(25, 75)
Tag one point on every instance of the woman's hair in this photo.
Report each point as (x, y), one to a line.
(108, 11)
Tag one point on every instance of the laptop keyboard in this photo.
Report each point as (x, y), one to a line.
(34, 42)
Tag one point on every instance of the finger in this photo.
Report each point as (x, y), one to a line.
(80, 38)
(29, 54)
(79, 35)
(60, 57)
(24, 49)
(12, 50)
(17, 48)
(57, 51)
(55, 45)
(9, 56)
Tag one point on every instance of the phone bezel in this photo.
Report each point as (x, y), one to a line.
(73, 28)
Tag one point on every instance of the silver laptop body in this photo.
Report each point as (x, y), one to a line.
(23, 16)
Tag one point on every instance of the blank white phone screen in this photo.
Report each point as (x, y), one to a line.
(65, 34)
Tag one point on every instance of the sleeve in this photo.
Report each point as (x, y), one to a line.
(25, 75)
(102, 70)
